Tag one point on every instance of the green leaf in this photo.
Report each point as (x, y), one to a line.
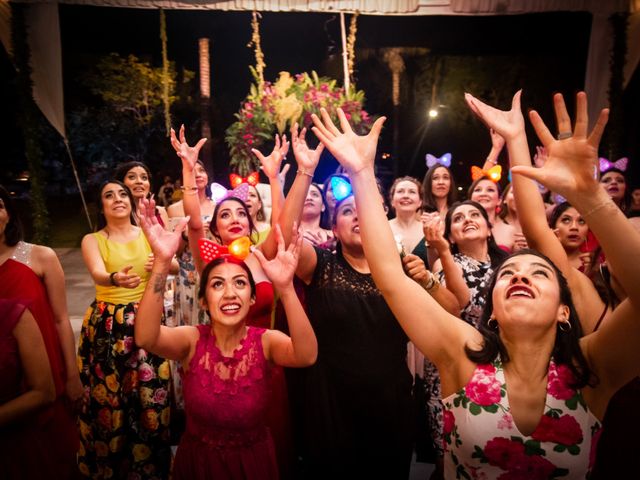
(490, 408)
(475, 409)
(532, 447)
(573, 449)
(572, 403)
(559, 448)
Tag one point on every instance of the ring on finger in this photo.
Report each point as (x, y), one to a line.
(565, 135)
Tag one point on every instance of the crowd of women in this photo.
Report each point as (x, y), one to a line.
(311, 337)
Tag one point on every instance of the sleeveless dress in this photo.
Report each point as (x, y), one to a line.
(226, 399)
(476, 275)
(124, 429)
(481, 439)
(22, 441)
(57, 423)
(355, 401)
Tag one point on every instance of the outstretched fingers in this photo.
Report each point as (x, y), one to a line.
(541, 129)
(344, 123)
(582, 116)
(563, 120)
(374, 133)
(328, 123)
(598, 129)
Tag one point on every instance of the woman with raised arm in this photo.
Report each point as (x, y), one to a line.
(231, 221)
(226, 365)
(124, 428)
(523, 396)
(33, 275)
(590, 307)
(357, 397)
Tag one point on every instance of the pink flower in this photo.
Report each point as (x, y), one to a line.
(506, 422)
(145, 372)
(449, 422)
(248, 115)
(504, 453)
(484, 388)
(531, 467)
(564, 430)
(160, 395)
(560, 379)
(128, 344)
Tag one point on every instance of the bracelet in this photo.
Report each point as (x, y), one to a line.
(112, 279)
(191, 192)
(598, 207)
(302, 171)
(189, 189)
(433, 284)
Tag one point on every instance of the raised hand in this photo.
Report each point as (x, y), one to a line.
(497, 140)
(571, 162)
(271, 164)
(540, 156)
(508, 124)
(281, 269)
(433, 229)
(187, 153)
(354, 152)
(306, 158)
(164, 243)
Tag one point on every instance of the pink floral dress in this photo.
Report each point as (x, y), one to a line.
(481, 440)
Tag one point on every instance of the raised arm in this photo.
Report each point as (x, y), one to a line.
(437, 334)
(173, 343)
(531, 208)
(190, 201)
(300, 349)
(271, 168)
(307, 161)
(569, 170)
(497, 143)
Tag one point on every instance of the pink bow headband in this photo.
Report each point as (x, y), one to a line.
(219, 192)
(620, 164)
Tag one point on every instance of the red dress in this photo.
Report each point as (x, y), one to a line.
(20, 442)
(225, 403)
(277, 416)
(57, 424)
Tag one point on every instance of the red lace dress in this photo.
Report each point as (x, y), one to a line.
(225, 403)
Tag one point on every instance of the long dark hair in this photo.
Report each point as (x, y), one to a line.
(626, 199)
(204, 276)
(102, 221)
(428, 200)
(496, 254)
(325, 221)
(253, 232)
(122, 170)
(13, 232)
(566, 349)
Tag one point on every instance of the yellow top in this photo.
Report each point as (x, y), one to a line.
(262, 236)
(117, 255)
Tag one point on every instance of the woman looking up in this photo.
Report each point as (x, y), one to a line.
(124, 384)
(226, 365)
(33, 275)
(529, 349)
(572, 231)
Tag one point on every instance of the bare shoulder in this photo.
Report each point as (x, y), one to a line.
(43, 259)
(176, 209)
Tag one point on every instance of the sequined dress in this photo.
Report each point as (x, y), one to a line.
(225, 400)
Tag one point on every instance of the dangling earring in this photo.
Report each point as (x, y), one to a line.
(494, 325)
(565, 326)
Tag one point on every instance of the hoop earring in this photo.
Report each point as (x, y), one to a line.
(493, 326)
(565, 326)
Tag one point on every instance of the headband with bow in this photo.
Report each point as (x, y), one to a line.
(219, 192)
(444, 160)
(494, 173)
(620, 164)
(252, 179)
(341, 188)
(238, 249)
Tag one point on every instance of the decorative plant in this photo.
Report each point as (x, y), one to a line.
(276, 106)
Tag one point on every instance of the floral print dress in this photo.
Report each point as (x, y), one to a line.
(481, 439)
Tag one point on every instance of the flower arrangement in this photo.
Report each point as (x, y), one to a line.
(276, 106)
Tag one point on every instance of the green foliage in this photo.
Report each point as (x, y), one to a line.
(281, 104)
(124, 118)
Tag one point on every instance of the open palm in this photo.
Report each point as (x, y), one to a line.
(163, 242)
(282, 267)
(186, 152)
(354, 152)
(271, 164)
(507, 123)
(306, 158)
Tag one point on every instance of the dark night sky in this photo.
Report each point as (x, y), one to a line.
(299, 42)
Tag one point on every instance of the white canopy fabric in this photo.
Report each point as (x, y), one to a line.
(44, 37)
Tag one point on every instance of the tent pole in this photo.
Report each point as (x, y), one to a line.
(75, 174)
(345, 60)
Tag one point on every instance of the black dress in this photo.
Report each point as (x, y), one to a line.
(356, 406)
